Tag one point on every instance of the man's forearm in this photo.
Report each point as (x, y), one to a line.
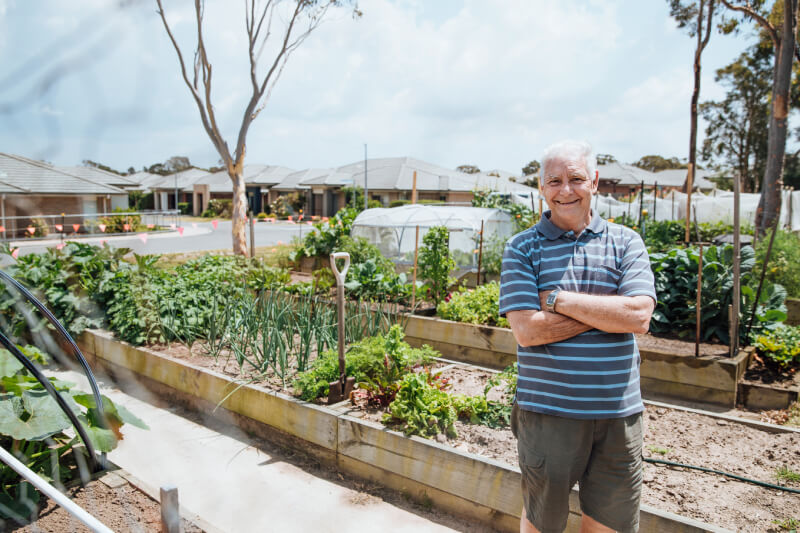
(534, 328)
(609, 313)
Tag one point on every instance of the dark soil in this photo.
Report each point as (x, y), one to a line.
(679, 346)
(122, 508)
(764, 372)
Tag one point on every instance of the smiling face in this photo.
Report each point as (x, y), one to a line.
(568, 190)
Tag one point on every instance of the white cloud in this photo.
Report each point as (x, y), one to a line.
(489, 82)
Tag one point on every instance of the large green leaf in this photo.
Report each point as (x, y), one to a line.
(43, 416)
(9, 365)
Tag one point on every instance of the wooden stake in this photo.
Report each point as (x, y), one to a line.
(414, 281)
(689, 185)
(414, 189)
(170, 510)
(480, 258)
(699, 301)
(541, 213)
(655, 200)
(737, 289)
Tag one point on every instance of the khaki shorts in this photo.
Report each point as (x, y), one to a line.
(603, 456)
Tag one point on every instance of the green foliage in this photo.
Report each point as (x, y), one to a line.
(781, 346)
(374, 362)
(65, 281)
(423, 407)
(145, 304)
(34, 427)
(676, 286)
(327, 236)
(521, 216)
(183, 207)
(474, 306)
(369, 281)
(654, 163)
(398, 203)
(662, 235)
(436, 263)
(784, 262)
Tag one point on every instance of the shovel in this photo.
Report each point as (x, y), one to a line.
(340, 389)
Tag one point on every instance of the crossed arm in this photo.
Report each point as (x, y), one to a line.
(578, 312)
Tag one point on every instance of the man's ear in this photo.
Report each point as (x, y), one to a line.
(596, 180)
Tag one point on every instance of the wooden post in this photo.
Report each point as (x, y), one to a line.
(655, 200)
(696, 225)
(480, 259)
(689, 185)
(541, 213)
(699, 301)
(737, 289)
(252, 235)
(414, 190)
(416, 255)
(170, 510)
(641, 202)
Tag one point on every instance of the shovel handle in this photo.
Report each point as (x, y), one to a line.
(340, 274)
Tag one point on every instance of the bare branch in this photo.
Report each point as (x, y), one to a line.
(751, 12)
(212, 132)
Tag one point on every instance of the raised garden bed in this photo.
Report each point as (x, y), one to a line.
(460, 481)
(669, 368)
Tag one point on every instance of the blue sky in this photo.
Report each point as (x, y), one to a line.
(483, 82)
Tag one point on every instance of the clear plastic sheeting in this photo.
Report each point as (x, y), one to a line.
(393, 230)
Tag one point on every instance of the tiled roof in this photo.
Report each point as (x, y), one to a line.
(26, 176)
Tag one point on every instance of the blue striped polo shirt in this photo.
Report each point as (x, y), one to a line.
(594, 374)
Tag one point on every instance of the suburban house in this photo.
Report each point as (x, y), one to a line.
(621, 179)
(32, 189)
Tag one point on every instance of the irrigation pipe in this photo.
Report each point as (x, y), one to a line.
(48, 490)
(720, 472)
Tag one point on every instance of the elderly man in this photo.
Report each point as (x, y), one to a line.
(575, 289)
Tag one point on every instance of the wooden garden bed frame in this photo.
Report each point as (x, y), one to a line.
(462, 483)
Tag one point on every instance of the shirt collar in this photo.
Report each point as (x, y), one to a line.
(596, 226)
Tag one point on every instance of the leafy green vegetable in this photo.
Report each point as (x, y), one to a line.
(474, 306)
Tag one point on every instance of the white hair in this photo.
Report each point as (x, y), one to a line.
(571, 150)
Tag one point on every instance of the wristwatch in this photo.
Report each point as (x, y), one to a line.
(550, 302)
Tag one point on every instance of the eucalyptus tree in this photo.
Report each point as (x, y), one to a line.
(281, 25)
(779, 23)
(736, 126)
(697, 18)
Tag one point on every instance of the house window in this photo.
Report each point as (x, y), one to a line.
(442, 198)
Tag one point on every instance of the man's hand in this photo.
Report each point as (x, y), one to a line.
(609, 313)
(534, 328)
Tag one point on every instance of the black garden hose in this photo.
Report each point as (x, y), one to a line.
(720, 472)
(28, 364)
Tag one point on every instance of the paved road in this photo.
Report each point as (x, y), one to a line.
(196, 237)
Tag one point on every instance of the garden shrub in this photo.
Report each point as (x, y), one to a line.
(436, 263)
(183, 207)
(327, 236)
(120, 218)
(40, 228)
(398, 203)
(221, 207)
(474, 306)
(784, 262)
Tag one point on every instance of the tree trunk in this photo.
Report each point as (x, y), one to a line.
(770, 202)
(239, 215)
(702, 41)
